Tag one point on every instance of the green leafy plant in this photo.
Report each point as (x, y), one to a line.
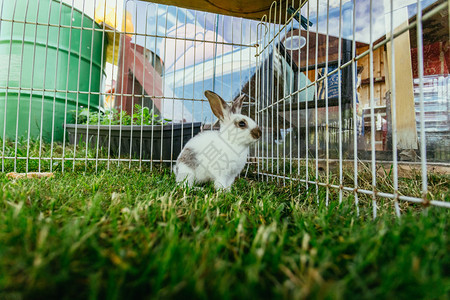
(141, 116)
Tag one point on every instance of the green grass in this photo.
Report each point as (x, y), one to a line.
(122, 233)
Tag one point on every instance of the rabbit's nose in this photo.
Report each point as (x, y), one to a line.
(256, 133)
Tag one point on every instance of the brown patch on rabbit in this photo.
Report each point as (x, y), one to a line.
(241, 124)
(256, 133)
(188, 158)
(218, 105)
(237, 104)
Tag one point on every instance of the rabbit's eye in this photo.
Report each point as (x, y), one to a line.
(242, 124)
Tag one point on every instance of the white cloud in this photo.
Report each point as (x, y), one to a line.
(362, 13)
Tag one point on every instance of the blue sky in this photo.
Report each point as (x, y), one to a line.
(179, 56)
(242, 31)
(362, 32)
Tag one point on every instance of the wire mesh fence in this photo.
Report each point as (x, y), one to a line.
(125, 87)
(352, 96)
(352, 109)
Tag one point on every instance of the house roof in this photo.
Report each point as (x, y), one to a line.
(333, 48)
(434, 29)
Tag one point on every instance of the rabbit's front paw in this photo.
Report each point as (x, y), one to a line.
(223, 184)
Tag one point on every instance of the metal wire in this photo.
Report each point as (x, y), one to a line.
(280, 104)
(354, 105)
(312, 128)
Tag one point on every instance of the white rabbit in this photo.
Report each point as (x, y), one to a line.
(218, 156)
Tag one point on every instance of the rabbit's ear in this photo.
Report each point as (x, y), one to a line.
(219, 107)
(237, 104)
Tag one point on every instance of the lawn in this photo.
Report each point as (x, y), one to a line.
(133, 234)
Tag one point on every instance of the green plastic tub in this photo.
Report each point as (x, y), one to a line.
(56, 65)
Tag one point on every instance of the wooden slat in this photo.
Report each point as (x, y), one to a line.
(379, 76)
(250, 9)
(406, 116)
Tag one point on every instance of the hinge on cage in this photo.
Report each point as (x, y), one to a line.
(426, 201)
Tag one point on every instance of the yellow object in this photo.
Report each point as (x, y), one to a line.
(128, 24)
(109, 101)
(106, 15)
